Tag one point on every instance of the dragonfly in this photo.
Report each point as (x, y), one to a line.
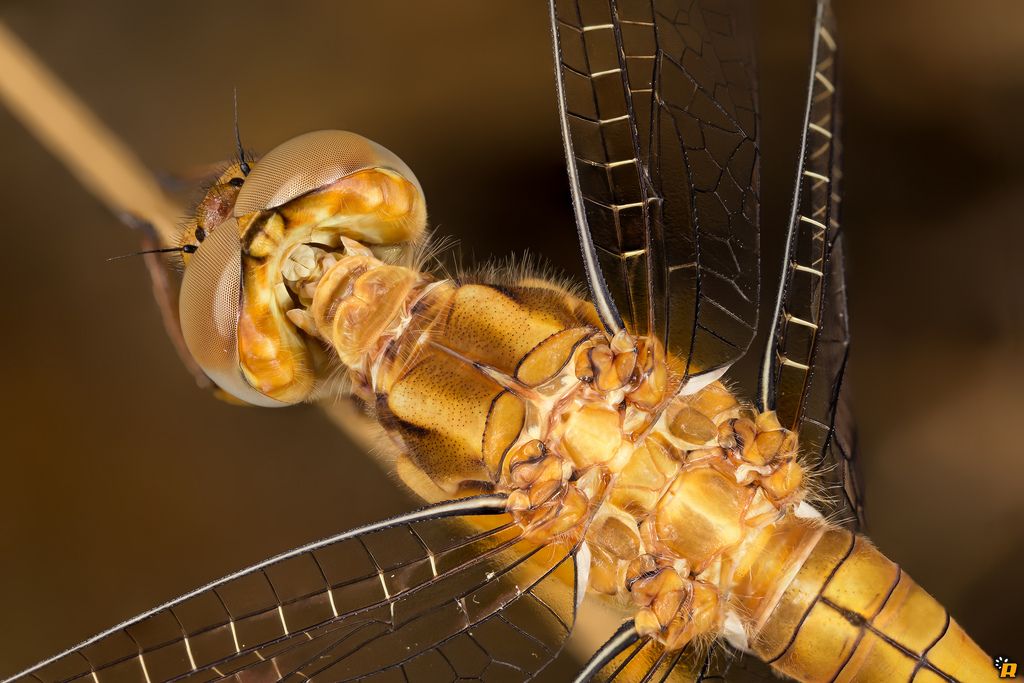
(639, 263)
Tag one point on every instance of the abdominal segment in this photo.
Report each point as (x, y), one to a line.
(850, 614)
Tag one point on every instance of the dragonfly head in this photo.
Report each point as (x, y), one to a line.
(317, 190)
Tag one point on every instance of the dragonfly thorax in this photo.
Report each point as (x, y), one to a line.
(508, 385)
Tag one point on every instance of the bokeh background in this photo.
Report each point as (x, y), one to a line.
(123, 485)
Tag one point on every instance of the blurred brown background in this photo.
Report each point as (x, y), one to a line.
(123, 485)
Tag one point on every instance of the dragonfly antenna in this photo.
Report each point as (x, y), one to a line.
(187, 249)
(242, 163)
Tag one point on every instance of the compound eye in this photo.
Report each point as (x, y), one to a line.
(309, 162)
(211, 294)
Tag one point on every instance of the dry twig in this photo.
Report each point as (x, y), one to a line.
(61, 122)
(102, 163)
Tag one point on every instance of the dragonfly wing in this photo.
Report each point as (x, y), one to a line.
(826, 425)
(629, 658)
(405, 597)
(723, 663)
(803, 374)
(659, 121)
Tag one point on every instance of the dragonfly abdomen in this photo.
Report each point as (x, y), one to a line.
(845, 612)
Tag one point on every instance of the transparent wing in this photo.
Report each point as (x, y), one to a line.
(659, 120)
(803, 374)
(403, 599)
(723, 663)
(628, 658)
(826, 425)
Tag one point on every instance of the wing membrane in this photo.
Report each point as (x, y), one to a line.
(403, 598)
(805, 358)
(827, 424)
(660, 128)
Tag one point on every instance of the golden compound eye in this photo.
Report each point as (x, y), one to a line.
(209, 309)
(309, 162)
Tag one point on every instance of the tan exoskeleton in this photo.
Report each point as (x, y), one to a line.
(589, 445)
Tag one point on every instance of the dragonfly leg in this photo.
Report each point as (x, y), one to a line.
(673, 608)
(546, 503)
